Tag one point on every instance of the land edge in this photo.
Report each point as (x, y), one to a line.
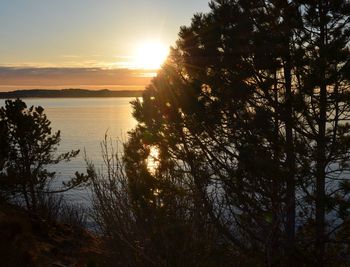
(69, 93)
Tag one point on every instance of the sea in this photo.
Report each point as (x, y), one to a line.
(83, 123)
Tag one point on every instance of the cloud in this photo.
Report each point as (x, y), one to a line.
(71, 56)
(12, 78)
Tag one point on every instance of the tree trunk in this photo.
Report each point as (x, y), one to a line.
(321, 147)
(290, 151)
(320, 181)
(290, 162)
(25, 195)
(33, 198)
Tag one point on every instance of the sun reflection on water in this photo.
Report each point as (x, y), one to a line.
(153, 160)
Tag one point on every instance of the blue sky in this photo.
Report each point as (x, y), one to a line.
(87, 33)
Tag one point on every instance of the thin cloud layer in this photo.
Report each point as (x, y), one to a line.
(12, 78)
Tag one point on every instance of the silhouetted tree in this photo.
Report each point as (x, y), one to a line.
(322, 47)
(250, 114)
(148, 222)
(209, 109)
(3, 144)
(31, 149)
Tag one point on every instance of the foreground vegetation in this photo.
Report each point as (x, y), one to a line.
(38, 226)
(249, 121)
(27, 149)
(28, 240)
(241, 152)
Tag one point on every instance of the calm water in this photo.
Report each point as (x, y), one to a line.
(83, 123)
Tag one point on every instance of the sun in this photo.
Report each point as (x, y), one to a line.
(150, 55)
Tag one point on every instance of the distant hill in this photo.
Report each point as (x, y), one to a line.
(69, 93)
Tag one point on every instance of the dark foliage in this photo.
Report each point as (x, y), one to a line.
(3, 144)
(30, 147)
(159, 230)
(249, 118)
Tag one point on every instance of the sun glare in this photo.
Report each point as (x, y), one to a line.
(153, 160)
(151, 55)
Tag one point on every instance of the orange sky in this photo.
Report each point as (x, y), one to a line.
(13, 78)
(87, 43)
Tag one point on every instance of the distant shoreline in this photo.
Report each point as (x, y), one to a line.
(69, 93)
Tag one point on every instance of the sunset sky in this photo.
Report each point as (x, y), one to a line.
(87, 43)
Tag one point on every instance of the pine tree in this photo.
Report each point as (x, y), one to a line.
(31, 147)
(251, 109)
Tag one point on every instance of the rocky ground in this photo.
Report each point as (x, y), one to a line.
(26, 240)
